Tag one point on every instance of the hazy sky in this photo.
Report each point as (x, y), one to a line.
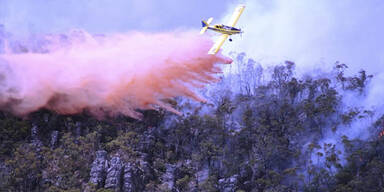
(312, 33)
(100, 16)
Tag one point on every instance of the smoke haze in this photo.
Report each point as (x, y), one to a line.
(314, 34)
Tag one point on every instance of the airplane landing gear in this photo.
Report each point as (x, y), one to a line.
(230, 39)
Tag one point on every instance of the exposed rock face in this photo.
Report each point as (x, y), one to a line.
(78, 129)
(118, 175)
(202, 175)
(228, 184)
(98, 170)
(168, 178)
(147, 171)
(36, 143)
(114, 174)
(148, 140)
(133, 180)
(54, 138)
(128, 178)
(35, 132)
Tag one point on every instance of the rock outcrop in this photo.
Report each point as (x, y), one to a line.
(36, 142)
(133, 179)
(128, 179)
(98, 169)
(54, 139)
(117, 175)
(168, 178)
(114, 174)
(202, 175)
(228, 184)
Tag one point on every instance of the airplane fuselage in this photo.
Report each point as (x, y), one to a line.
(225, 29)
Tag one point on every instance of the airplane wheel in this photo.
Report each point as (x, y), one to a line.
(230, 40)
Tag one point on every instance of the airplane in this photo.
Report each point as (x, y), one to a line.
(225, 30)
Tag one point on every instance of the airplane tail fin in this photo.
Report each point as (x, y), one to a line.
(205, 25)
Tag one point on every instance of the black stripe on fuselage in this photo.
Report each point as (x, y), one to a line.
(225, 31)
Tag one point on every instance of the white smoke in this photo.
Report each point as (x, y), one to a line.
(314, 34)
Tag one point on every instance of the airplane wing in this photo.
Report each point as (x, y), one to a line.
(236, 15)
(219, 42)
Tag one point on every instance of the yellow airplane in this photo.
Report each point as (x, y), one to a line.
(225, 30)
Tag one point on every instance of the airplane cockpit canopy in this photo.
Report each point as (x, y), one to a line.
(230, 28)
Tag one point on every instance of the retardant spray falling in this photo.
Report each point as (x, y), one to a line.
(114, 74)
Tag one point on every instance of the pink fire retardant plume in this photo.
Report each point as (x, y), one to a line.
(106, 75)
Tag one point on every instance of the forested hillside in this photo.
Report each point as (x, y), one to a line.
(261, 130)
